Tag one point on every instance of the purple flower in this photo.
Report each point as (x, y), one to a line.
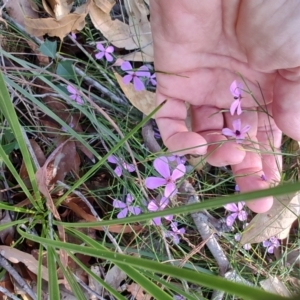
(152, 206)
(126, 207)
(263, 177)
(237, 212)
(73, 35)
(74, 95)
(121, 164)
(270, 244)
(162, 167)
(175, 233)
(152, 79)
(236, 91)
(237, 132)
(237, 188)
(104, 52)
(134, 76)
(179, 159)
(178, 297)
(237, 237)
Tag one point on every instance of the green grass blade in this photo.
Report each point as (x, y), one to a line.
(9, 113)
(53, 286)
(187, 209)
(210, 281)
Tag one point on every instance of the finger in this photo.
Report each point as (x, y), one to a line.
(248, 172)
(208, 122)
(174, 132)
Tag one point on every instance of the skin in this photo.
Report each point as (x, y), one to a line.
(201, 45)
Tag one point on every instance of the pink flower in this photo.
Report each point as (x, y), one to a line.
(237, 237)
(162, 167)
(134, 76)
(272, 243)
(74, 95)
(237, 212)
(237, 132)
(121, 164)
(175, 233)
(152, 79)
(126, 207)
(236, 91)
(152, 206)
(104, 52)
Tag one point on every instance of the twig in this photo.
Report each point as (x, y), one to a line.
(23, 285)
(149, 139)
(89, 80)
(202, 223)
(8, 294)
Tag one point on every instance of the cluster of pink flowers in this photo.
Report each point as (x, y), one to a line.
(238, 132)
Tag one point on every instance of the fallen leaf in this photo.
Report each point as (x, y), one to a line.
(93, 284)
(137, 292)
(52, 27)
(15, 256)
(138, 56)
(275, 286)
(114, 277)
(57, 8)
(105, 5)
(139, 25)
(278, 219)
(293, 258)
(115, 31)
(142, 100)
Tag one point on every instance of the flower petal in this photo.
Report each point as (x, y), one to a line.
(129, 167)
(236, 88)
(152, 206)
(154, 182)
(236, 125)
(71, 90)
(118, 204)
(242, 215)
(228, 132)
(122, 214)
(231, 207)
(234, 105)
(100, 47)
(156, 221)
(108, 57)
(113, 159)
(127, 78)
(169, 218)
(239, 109)
(142, 71)
(99, 55)
(245, 129)
(118, 170)
(110, 49)
(126, 66)
(129, 199)
(237, 237)
(138, 84)
(134, 210)
(240, 205)
(178, 172)
(266, 243)
(161, 165)
(163, 203)
(170, 189)
(230, 219)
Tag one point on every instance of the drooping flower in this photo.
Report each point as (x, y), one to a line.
(161, 165)
(74, 95)
(237, 132)
(237, 237)
(271, 244)
(106, 52)
(175, 233)
(179, 159)
(121, 164)
(152, 206)
(134, 76)
(126, 207)
(237, 212)
(236, 91)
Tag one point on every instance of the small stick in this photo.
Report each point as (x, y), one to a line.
(8, 294)
(24, 286)
(149, 139)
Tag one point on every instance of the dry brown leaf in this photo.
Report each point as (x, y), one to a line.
(52, 27)
(15, 256)
(114, 277)
(143, 100)
(57, 8)
(139, 25)
(115, 31)
(105, 5)
(137, 292)
(275, 286)
(283, 213)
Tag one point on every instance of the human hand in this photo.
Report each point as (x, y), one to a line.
(200, 46)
